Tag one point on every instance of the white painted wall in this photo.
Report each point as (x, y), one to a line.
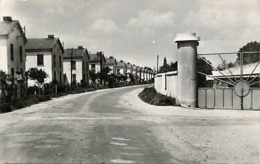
(78, 71)
(31, 62)
(5, 57)
(171, 84)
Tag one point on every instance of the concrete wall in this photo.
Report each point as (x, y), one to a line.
(166, 83)
(184, 86)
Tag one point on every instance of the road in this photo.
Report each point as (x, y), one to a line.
(115, 126)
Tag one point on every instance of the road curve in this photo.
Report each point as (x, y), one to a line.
(114, 126)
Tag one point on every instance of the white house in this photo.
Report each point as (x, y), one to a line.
(76, 63)
(111, 63)
(12, 46)
(121, 67)
(45, 54)
(129, 68)
(97, 62)
(12, 52)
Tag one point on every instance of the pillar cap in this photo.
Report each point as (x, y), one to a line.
(181, 37)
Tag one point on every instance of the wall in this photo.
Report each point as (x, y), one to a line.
(3, 56)
(166, 84)
(77, 71)
(31, 62)
(17, 41)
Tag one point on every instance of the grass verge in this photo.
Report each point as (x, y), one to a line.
(150, 96)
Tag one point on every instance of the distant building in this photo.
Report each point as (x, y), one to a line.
(111, 63)
(76, 63)
(121, 67)
(250, 72)
(137, 75)
(141, 73)
(46, 54)
(97, 62)
(12, 47)
(12, 53)
(129, 68)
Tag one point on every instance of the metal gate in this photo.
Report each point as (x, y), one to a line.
(238, 87)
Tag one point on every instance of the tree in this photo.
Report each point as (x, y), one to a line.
(93, 76)
(105, 74)
(204, 68)
(38, 76)
(250, 58)
(165, 67)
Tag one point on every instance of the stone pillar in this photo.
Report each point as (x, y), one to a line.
(187, 69)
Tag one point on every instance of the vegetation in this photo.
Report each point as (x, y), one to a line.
(205, 68)
(38, 76)
(250, 58)
(150, 96)
(168, 67)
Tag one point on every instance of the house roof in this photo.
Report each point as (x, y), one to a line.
(96, 57)
(129, 65)
(247, 70)
(121, 63)
(42, 44)
(111, 60)
(6, 27)
(77, 53)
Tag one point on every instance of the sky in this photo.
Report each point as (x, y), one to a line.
(136, 31)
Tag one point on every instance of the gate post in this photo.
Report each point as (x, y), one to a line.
(187, 69)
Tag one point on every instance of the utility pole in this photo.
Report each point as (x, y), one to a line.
(157, 63)
(71, 67)
(101, 68)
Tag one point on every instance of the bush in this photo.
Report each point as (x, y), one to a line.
(149, 95)
(5, 107)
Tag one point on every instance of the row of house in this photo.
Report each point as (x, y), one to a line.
(19, 53)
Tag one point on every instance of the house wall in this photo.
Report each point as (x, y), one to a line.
(31, 62)
(5, 57)
(129, 70)
(97, 67)
(78, 71)
(121, 71)
(57, 51)
(111, 69)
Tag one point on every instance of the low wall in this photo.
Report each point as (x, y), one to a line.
(166, 83)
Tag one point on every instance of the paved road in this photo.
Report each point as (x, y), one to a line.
(114, 126)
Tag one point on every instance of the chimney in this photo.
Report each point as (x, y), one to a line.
(51, 36)
(80, 47)
(7, 19)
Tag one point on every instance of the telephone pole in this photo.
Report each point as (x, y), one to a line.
(71, 60)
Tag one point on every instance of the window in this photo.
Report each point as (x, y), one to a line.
(54, 75)
(40, 60)
(12, 52)
(21, 53)
(73, 64)
(12, 74)
(74, 78)
(54, 60)
(60, 62)
(60, 77)
(93, 67)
